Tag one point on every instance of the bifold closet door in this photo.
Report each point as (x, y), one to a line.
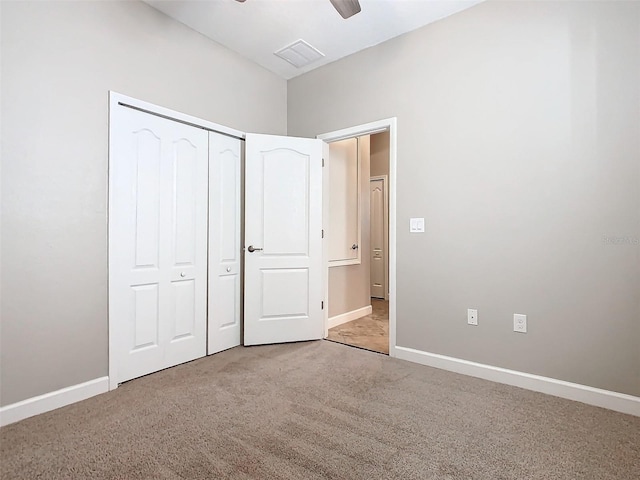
(224, 242)
(157, 242)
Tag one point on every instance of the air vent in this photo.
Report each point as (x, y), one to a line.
(299, 54)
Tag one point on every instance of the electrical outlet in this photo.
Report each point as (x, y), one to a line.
(472, 316)
(519, 323)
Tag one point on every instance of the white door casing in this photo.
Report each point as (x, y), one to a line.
(326, 230)
(284, 280)
(390, 124)
(379, 220)
(224, 242)
(157, 243)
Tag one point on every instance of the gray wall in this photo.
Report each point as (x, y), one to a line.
(518, 141)
(58, 62)
(349, 285)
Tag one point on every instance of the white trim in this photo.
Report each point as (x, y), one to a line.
(52, 400)
(619, 402)
(358, 131)
(390, 124)
(325, 233)
(115, 98)
(348, 316)
(344, 263)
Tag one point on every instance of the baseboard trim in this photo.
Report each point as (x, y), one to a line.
(348, 316)
(52, 400)
(619, 402)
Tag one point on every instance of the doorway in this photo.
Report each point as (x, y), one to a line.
(360, 290)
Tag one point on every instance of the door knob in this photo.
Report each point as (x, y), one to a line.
(354, 246)
(182, 274)
(253, 249)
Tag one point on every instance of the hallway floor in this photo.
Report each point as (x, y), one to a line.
(370, 332)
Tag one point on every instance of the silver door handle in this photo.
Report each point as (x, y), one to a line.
(354, 246)
(253, 249)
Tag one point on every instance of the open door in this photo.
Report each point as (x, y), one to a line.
(284, 281)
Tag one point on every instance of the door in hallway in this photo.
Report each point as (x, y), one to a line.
(378, 224)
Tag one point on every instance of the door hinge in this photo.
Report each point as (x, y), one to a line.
(323, 233)
(323, 162)
(322, 305)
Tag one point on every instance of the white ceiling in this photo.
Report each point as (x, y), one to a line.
(257, 28)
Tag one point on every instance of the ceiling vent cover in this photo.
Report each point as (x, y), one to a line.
(299, 54)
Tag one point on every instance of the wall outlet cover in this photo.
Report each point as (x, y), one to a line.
(519, 323)
(472, 316)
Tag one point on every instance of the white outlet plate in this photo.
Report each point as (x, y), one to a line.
(519, 323)
(472, 316)
(416, 225)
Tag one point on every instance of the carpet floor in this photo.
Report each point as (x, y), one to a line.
(320, 410)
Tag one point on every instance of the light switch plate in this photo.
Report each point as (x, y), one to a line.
(416, 225)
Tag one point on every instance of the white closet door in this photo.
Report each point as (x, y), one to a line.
(224, 242)
(157, 242)
(283, 238)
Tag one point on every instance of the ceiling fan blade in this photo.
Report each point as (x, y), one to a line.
(346, 8)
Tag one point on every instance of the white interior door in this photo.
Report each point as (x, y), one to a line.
(224, 242)
(157, 242)
(378, 237)
(283, 239)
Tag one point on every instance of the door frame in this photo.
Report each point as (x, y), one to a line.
(390, 125)
(118, 100)
(385, 227)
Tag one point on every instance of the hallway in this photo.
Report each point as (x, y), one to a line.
(370, 332)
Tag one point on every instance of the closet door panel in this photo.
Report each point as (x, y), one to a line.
(225, 162)
(157, 242)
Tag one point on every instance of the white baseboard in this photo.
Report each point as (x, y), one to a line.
(52, 400)
(348, 316)
(619, 402)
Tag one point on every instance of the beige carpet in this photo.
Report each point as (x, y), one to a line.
(320, 410)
